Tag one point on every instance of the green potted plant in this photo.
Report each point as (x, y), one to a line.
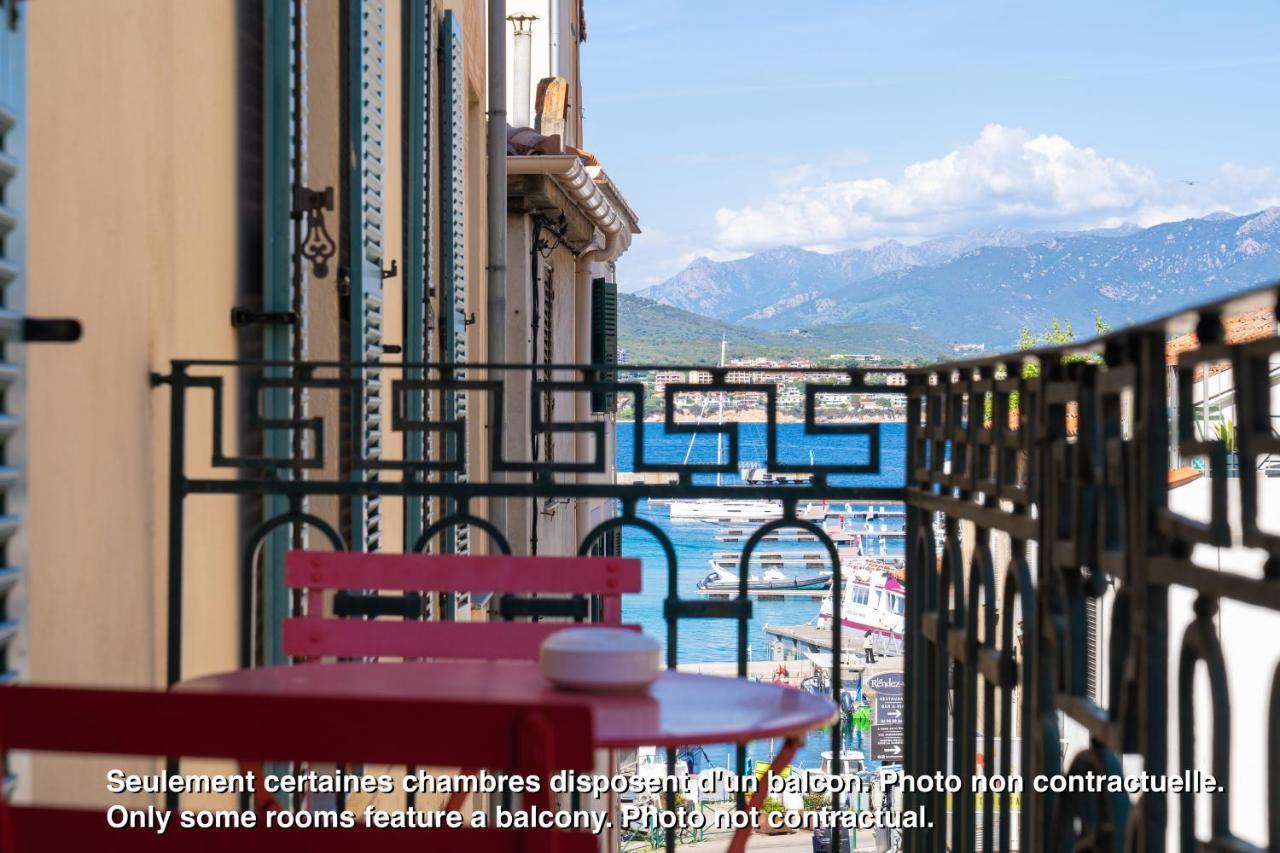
(815, 802)
(1225, 432)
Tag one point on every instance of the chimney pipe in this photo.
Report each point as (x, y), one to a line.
(521, 94)
(554, 14)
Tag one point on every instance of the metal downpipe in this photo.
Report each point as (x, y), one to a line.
(496, 216)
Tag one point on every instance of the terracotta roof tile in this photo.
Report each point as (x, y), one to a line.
(1250, 326)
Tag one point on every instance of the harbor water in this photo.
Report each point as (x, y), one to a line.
(715, 640)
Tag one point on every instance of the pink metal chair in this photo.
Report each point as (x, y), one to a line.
(351, 575)
(499, 737)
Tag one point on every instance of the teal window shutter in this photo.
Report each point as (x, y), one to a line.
(366, 87)
(604, 338)
(453, 280)
(283, 169)
(13, 285)
(417, 24)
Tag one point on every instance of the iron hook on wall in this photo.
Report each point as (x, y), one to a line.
(318, 246)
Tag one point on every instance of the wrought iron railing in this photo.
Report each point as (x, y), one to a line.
(1064, 455)
(1046, 472)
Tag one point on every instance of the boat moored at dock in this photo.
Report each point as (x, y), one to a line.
(874, 600)
(722, 580)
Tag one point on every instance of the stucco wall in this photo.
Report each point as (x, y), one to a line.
(132, 230)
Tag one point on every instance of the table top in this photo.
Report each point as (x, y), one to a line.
(679, 709)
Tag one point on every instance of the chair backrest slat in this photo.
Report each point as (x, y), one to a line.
(388, 638)
(317, 572)
(39, 829)
(503, 737)
(269, 728)
(453, 573)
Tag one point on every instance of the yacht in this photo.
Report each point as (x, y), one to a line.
(874, 599)
(727, 510)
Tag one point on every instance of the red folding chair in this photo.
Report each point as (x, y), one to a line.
(500, 737)
(353, 575)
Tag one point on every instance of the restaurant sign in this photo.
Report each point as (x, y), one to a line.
(892, 682)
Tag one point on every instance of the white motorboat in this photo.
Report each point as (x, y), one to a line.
(723, 580)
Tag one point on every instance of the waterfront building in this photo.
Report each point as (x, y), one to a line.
(663, 378)
(283, 180)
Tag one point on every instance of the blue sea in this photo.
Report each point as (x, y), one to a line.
(712, 640)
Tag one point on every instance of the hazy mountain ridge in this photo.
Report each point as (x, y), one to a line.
(654, 333)
(984, 287)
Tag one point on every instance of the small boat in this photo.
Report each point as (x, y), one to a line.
(717, 510)
(722, 580)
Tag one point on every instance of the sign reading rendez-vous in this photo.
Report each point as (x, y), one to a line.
(890, 683)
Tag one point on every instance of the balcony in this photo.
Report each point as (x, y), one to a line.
(1057, 591)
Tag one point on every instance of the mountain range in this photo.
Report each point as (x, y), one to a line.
(985, 287)
(653, 333)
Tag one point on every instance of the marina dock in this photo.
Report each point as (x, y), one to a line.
(809, 559)
(769, 594)
(793, 534)
(645, 478)
(798, 642)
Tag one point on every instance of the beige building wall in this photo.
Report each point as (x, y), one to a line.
(136, 229)
(557, 524)
(324, 145)
(133, 229)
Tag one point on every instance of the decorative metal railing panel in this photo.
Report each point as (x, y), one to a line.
(1038, 520)
(1061, 458)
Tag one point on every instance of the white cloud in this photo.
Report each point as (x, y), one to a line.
(1005, 177)
(796, 175)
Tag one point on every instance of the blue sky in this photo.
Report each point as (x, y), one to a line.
(735, 126)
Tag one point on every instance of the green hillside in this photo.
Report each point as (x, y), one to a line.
(660, 334)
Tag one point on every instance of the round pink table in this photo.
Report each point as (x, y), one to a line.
(679, 709)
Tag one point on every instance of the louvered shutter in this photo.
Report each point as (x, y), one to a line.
(418, 22)
(283, 169)
(604, 337)
(13, 238)
(453, 290)
(366, 86)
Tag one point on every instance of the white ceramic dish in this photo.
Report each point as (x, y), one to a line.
(601, 660)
